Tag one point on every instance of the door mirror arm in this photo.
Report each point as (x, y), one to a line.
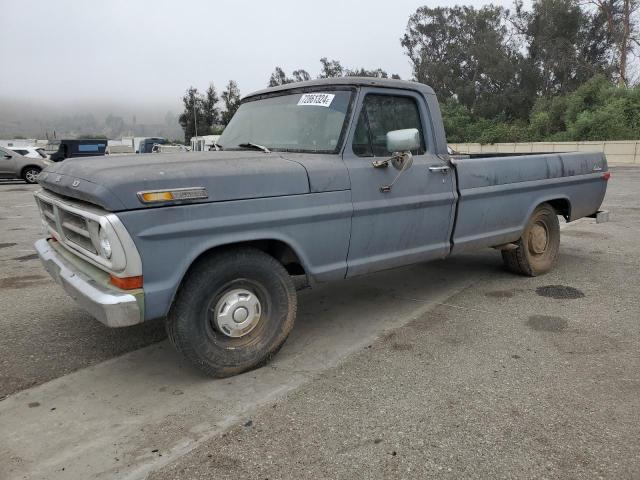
(401, 161)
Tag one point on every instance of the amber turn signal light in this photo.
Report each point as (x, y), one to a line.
(127, 283)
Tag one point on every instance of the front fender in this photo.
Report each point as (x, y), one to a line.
(169, 239)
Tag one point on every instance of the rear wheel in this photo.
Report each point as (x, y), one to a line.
(30, 174)
(539, 245)
(233, 312)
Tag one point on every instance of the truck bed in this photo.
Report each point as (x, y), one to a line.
(498, 193)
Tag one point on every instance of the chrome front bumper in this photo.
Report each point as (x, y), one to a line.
(110, 306)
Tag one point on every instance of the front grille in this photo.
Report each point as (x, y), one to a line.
(76, 229)
(48, 214)
(69, 227)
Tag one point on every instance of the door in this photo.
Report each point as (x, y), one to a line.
(7, 163)
(412, 221)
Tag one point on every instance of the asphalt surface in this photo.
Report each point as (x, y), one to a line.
(460, 370)
(511, 377)
(44, 335)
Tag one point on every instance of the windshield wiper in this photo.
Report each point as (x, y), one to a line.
(255, 146)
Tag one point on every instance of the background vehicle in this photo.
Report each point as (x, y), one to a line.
(79, 148)
(30, 152)
(159, 148)
(328, 179)
(14, 165)
(146, 145)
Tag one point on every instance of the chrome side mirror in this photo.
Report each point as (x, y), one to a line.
(403, 140)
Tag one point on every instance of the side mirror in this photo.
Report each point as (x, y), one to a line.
(403, 140)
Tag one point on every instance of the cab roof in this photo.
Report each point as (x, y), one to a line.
(348, 81)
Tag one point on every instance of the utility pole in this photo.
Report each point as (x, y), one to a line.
(195, 122)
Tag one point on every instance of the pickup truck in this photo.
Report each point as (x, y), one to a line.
(323, 180)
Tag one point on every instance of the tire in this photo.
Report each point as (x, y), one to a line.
(202, 319)
(538, 247)
(29, 174)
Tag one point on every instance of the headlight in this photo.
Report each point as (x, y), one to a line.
(105, 244)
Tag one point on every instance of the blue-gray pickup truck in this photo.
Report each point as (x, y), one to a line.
(325, 180)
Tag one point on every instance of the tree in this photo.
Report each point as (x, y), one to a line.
(469, 54)
(565, 44)
(301, 75)
(623, 28)
(115, 125)
(194, 119)
(377, 73)
(330, 68)
(211, 112)
(278, 77)
(231, 100)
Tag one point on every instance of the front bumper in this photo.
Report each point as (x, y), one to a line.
(111, 306)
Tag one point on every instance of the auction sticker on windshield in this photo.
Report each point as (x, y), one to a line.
(316, 99)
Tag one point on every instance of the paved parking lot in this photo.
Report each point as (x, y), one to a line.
(454, 369)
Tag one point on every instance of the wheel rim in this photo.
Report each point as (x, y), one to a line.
(31, 176)
(538, 238)
(237, 312)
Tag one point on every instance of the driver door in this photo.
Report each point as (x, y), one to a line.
(411, 222)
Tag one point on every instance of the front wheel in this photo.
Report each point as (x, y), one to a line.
(539, 245)
(30, 175)
(233, 312)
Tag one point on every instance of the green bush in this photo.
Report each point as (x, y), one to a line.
(597, 110)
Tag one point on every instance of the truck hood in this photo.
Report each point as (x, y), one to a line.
(113, 182)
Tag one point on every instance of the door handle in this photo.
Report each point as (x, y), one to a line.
(444, 169)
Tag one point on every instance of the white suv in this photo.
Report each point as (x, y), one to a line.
(30, 152)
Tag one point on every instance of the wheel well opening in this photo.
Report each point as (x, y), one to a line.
(562, 206)
(279, 250)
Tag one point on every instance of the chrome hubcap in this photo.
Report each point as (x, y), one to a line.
(31, 176)
(237, 312)
(538, 239)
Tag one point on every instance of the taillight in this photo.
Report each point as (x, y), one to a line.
(606, 176)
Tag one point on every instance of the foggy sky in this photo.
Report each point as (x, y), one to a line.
(144, 52)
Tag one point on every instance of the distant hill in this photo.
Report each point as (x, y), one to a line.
(27, 119)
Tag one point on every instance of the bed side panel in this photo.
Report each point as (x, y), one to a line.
(498, 194)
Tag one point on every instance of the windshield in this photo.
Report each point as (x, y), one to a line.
(310, 121)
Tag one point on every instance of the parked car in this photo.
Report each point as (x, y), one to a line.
(15, 165)
(328, 179)
(30, 152)
(79, 148)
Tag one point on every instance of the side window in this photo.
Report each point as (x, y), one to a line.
(361, 139)
(385, 113)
